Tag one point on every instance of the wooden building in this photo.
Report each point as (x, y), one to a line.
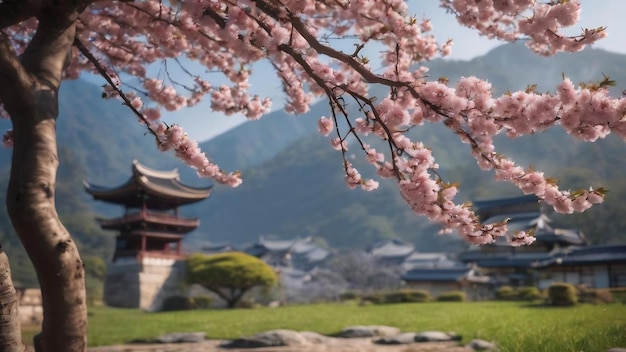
(146, 265)
(557, 255)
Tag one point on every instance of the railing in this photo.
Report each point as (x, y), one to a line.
(140, 255)
(165, 219)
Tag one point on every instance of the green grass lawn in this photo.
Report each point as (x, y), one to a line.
(514, 326)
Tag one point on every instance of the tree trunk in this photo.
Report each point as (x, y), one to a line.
(29, 91)
(10, 331)
(30, 201)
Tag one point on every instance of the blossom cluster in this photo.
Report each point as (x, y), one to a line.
(174, 138)
(146, 40)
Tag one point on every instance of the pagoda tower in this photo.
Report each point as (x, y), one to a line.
(147, 263)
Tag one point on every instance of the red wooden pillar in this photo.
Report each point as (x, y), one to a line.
(178, 248)
(143, 206)
(143, 243)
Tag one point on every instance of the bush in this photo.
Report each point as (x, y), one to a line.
(619, 294)
(562, 294)
(229, 274)
(201, 302)
(247, 303)
(173, 303)
(595, 296)
(452, 296)
(350, 295)
(528, 293)
(375, 298)
(407, 296)
(506, 293)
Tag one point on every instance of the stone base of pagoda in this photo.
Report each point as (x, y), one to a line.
(143, 282)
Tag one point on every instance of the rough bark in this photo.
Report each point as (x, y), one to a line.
(28, 89)
(10, 331)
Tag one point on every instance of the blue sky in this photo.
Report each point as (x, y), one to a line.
(202, 124)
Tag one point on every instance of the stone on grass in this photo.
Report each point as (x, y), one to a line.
(436, 336)
(270, 338)
(313, 337)
(482, 345)
(400, 339)
(181, 337)
(616, 349)
(368, 331)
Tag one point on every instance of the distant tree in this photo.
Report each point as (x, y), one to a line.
(43, 42)
(95, 272)
(229, 275)
(362, 272)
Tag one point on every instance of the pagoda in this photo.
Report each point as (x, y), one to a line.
(150, 232)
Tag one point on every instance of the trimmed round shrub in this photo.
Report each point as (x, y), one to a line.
(562, 294)
(528, 293)
(407, 296)
(173, 303)
(452, 296)
(506, 293)
(201, 302)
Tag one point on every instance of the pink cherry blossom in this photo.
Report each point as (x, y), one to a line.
(325, 125)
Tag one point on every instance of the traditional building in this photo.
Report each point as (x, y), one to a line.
(557, 255)
(457, 278)
(300, 253)
(589, 266)
(147, 263)
(391, 251)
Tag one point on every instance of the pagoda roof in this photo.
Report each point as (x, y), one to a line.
(161, 190)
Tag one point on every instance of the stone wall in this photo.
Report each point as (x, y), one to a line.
(31, 310)
(145, 284)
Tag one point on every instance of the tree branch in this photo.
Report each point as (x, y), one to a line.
(13, 76)
(103, 72)
(49, 52)
(13, 12)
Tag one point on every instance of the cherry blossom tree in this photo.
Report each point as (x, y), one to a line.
(213, 44)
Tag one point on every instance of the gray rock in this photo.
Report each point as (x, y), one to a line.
(436, 336)
(400, 339)
(368, 331)
(482, 345)
(270, 338)
(181, 337)
(616, 349)
(313, 337)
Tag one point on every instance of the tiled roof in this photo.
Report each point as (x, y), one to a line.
(491, 207)
(587, 255)
(569, 236)
(448, 274)
(161, 190)
(503, 260)
(391, 249)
